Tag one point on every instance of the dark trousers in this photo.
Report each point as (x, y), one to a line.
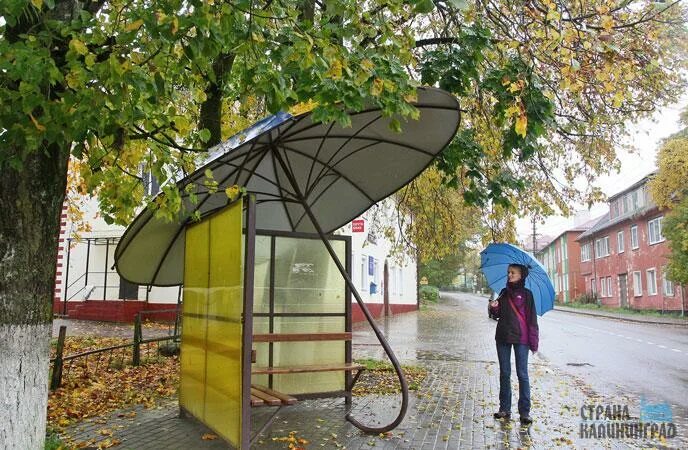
(504, 356)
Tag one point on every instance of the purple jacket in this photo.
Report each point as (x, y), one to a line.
(510, 328)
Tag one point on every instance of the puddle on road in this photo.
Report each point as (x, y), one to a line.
(579, 364)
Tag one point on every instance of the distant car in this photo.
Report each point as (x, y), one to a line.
(489, 312)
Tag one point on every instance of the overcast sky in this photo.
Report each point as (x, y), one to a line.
(646, 136)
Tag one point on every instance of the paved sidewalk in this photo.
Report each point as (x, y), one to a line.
(627, 317)
(451, 410)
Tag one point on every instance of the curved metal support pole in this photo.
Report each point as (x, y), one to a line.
(390, 354)
(350, 284)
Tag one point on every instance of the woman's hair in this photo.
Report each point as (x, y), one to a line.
(523, 269)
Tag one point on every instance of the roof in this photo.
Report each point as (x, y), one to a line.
(582, 227)
(602, 223)
(605, 221)
(635, 185)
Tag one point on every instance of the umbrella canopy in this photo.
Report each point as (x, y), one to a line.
(291, 163)
(494, 262)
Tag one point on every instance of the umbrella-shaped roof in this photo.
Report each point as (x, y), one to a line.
(290, 161)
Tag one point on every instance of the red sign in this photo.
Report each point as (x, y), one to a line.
(357, 225)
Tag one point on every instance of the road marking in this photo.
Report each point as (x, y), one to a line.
(661, 346)
(651, 343)
(675, 350)
(639, 340)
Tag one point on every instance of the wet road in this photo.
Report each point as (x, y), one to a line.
(615, 357)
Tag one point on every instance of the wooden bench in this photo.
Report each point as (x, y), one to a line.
(263, 396)
(304, 337)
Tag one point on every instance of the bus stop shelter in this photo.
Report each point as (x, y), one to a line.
(303, 177)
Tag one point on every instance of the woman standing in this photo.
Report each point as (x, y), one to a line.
(517, 327)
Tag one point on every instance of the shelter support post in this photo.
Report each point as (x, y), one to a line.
(247, 319)
(347, 279)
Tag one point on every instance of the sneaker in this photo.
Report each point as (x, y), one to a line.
(526, 420)
(502, 415)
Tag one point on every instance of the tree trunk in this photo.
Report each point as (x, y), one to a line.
(211, 108)
(31, 204)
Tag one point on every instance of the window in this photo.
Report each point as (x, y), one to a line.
(602, 247)
(654, 227)
(593, 286)
(364, 273)
(127, 290)
(634, 237)
(637, 284)
(651, 282)
(641, 196)
(626, 204)
(585, 251)
(393, 280)
(668, 286)
(564, 250)
(606, 287)
(400, 282)
(620, 242)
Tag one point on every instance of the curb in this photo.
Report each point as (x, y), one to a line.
(657, 321)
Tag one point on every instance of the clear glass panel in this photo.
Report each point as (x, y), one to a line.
(309, 324)
(261, 290)
(306, 278)
(307, 354)
(261, 325)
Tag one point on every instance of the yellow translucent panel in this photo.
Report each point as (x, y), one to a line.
(306, 278)
(261, 286)
(193, 353)
(212, 333)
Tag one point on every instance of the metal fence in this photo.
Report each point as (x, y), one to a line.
(152, 340)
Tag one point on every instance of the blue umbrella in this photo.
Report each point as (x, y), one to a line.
(494, 262)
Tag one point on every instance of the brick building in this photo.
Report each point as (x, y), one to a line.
(623, 256)
(561, 259)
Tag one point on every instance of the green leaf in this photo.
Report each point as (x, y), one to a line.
(424, 6)
(204, 134)
(461, 5)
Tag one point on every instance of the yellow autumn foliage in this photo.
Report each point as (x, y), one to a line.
(669, 185)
